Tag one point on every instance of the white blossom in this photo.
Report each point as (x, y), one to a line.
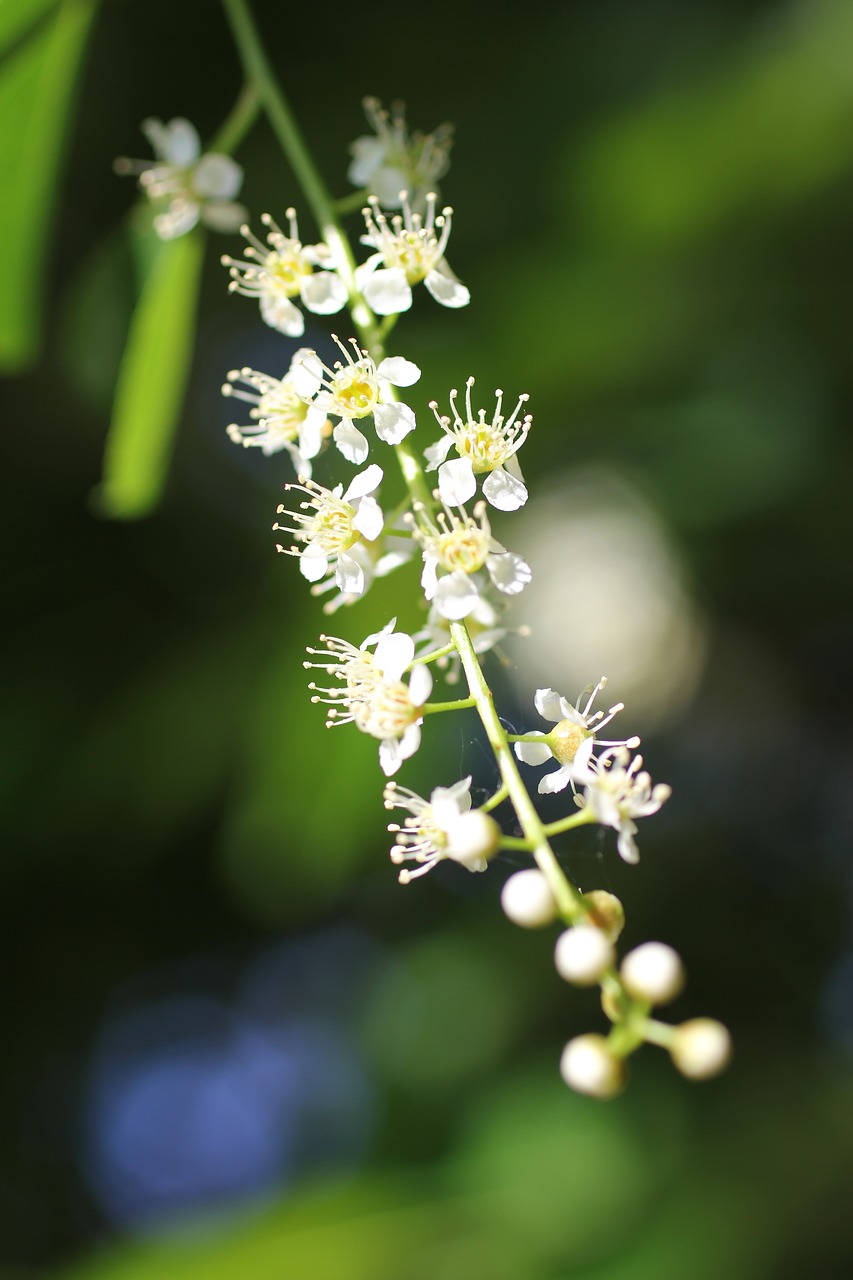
(371, 693)
(408, 250)
(616, 791)
(445, 826)
(184, 186)
(653, 972)
(329, 524)
(375, 560)
(701, 1048)
(527, 899)
(393, 160)
(484, 448)
(356, 388)
(590, 1066)
(582, 955)
(282, 270)
(282, 419)
(459, 546)
(573, 727)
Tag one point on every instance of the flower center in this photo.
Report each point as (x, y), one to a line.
(564, 740)
(286, 270)
(332, 527)
(355, 392)
(385, 711)
(282, 413)
(464, 547)
(484, 444)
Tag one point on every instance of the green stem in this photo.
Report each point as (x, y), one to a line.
(431, 708)
(443, 652)
(579, 819)
(243, 115)
(566, 896)
(498, 798)
(516, 842)
(351, 204)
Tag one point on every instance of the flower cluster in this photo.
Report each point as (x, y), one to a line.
(349, 394)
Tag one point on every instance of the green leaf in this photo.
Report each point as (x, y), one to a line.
(17, 16)
(152, 380)
(36, 86)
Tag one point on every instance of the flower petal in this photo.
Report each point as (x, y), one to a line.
(456, 596)
(323, 293)
(217, 177)
(442, 284)
(388, 292)
(311, 433)
(556, 781)
(456, 482)
(504, 491)
(509, 572)
(394, 652)
(364, 483)
(313, 563)
(436, 453)
(369, 520)
(350, 441)
(532, 752)
(393, 422)
(402, 373)
(549, 704)
(280, 314)
(429, 577)
(349, 575)
(420, 684)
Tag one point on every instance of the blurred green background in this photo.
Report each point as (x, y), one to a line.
(233, 1045)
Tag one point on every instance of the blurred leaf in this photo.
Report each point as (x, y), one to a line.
(152, 380)
(16, 16)
(94, 320)
(36, 84)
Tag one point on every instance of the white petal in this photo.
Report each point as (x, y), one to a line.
(403, 373)
(556, 781)
(387, 183)
(364, 483)
(218, 177)
(456, 481)
(509, 572)
(392, 560)
(533, 752)
(366, 269)
(549, 704)
(176, 142)
(429, 577)
(626, 844)
(349, 575)
(420, 684)
(224, 215)
(445, 288)
(393, 422)
(436, 453)
(456, 595)
(280, 313)
(367, 156)
(390, 756)
(444, 805)
(311, 433)
(394, 652)
(581, 771)
(324, 293)
(313, 563)
(388, 292)
(504, 491)
(350, 441)
(369, 520)
(305, 374)
(181, 216)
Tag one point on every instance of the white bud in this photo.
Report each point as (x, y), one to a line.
(589, 1066)
(582, 954)
(653, 972)
(701, 1048)
(474, 838)
(527, 899)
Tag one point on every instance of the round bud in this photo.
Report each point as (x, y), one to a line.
(702, 1048)
(474, 838)
(605, 912)
(589, 1066)
(527, 899)
(582, 954)
(653, 972)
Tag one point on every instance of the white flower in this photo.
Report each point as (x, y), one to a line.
(444, 827)
(590, 1066)
(357, 388)
(460, 547)
(616, 792)
(184, 186)
(408, 251)
(482, 626)
(701, 1048)
(527, 899)
(329, 525)
(282, 418)
(371, 693)
(653, 972)
(573, 727)
(483, 447)
(375, 560)
(393, 160)
(582, 955)
(283, 269)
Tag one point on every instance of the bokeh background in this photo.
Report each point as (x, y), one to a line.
(233, 1046)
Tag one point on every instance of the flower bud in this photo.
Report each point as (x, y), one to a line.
(605, 912)
(653, 972)
(474, 838)
(702, 1048)
(590, 1066)
(527, 899)
(582, 954)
